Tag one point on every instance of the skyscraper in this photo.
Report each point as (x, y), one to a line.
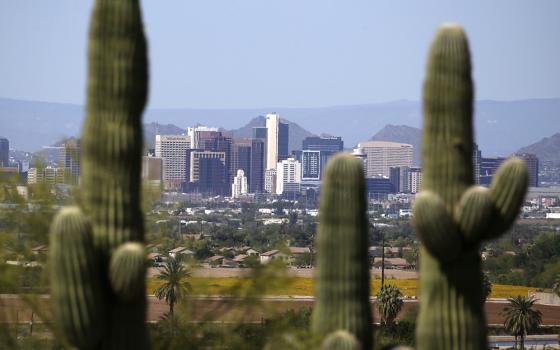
(172, 149)
(319, 149)
(277, 140)
(477, 155)
(256, 174)
(415, 179)
(488, 167)
(206, 172)
(241, 157)
(532, 163)
(196, 132)
(382, 155)
(4, 152)
(288, 176)
(311, 165)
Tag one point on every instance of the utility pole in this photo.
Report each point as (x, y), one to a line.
(382, 259)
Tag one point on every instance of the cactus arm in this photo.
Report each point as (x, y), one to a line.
(473, 214)
(74, 270)
(340, 340)
(435, 227)
(508, 190)
(127, 271)
(342, 275)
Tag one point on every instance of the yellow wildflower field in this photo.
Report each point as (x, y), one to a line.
(304, 287)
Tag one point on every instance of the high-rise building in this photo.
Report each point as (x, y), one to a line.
(196, 132)
(326, 148)
(532, 163)
(399, 177)
(311, 165)
(49, 175)
(241, 157)
(283, 141)
(415, 179)
(69, 159)
(4, 153)
(362, 157)
(206, 171)
(277, 140)
(256, 173)
(172, 149)
(288, 176)
(477, 156)
(382, 155)
(488, 167)
(378, 187)
(270, 180)
(260, 132)
(239, 185)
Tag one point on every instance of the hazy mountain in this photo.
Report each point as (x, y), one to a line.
(501, 127)
(403, 134)
(547, 149)
(296, 133)
(152, 129)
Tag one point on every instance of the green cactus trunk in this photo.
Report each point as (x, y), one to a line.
(451, 215)
(342, 275)
(111, 161)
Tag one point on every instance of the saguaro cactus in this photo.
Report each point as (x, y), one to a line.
(451, 215)
(342, 280)
(108, 310)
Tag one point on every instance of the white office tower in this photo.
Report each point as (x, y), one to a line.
(288, 176)
(383, 155)
(194, 134)
(415, 179)
(272, 125)
(239, 186)
(172, 149)
(270, 180)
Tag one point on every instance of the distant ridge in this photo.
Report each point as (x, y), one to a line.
(502, 127)
(547, 149)
(402, 134)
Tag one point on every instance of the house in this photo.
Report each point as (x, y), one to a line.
(251, 252)
(267, 257)
(179, 251)
(215, 260)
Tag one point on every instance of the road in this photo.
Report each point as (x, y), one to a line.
(224, 309)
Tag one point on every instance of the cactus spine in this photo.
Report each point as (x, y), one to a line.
(111, 160)
(342, 280)
(451, 215)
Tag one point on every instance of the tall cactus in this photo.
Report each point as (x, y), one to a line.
(111, 160)
(452, 217)
(342, 280)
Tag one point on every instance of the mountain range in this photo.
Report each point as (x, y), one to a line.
(502, 127)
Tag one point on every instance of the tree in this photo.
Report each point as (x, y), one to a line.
(175, 285)
(389, 303)
(521, 318)
(556, 285)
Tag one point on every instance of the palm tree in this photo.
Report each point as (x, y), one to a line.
(556, 285)
(389, 302)
(175, 285)
(521, 318)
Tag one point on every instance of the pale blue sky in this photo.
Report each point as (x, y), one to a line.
(289, 53)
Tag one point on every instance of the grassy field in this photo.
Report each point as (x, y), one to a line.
(304, 287)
